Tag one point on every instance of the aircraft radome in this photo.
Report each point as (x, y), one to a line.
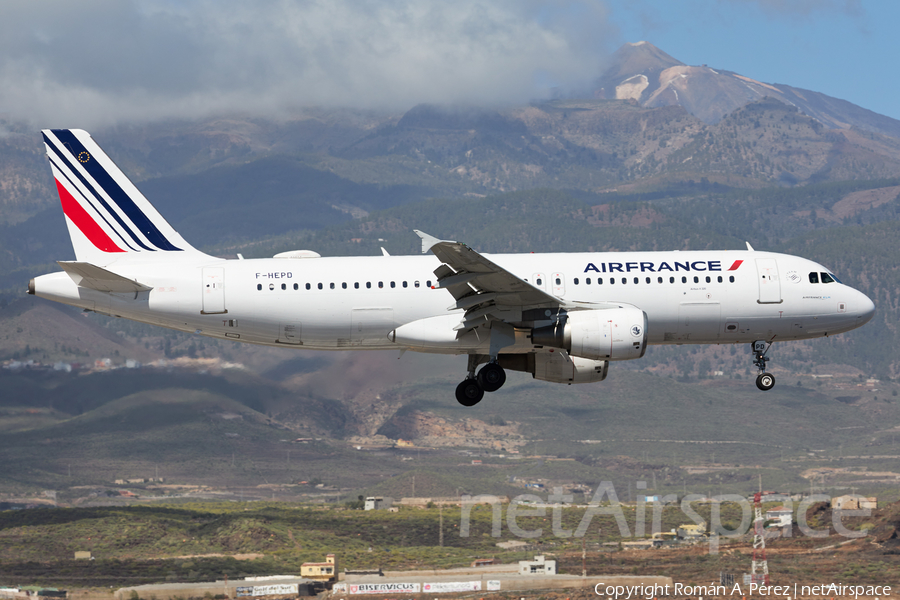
(563, 317)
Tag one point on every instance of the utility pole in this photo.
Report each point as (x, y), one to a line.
(583, 558)
(441, 532)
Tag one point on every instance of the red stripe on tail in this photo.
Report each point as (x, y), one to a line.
(84, 222)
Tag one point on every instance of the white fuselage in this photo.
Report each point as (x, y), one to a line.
(706, 297)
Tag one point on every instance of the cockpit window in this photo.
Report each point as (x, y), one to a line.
(814, 277)
(826, 278)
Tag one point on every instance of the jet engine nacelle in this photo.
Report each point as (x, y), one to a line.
(602, 334)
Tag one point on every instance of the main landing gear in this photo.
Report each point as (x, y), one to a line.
(490, 378)
(764, 381)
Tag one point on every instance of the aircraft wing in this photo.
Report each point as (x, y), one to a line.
(484, 289)
(473, 272)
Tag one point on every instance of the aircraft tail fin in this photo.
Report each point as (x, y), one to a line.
(108, 218)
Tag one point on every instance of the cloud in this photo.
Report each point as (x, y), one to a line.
(805, 8)
(105, 61)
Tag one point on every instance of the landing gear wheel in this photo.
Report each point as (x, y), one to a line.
(765, 381)
(491, 377)
(469, 393)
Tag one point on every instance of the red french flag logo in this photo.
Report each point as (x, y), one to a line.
(736, 264)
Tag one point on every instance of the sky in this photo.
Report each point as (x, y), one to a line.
(106, 62)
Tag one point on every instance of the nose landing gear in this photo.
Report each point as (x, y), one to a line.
(764, 381)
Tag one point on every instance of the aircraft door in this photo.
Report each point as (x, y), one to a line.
(558, 281)
(769, 282)
(539, 280)
(213, 291)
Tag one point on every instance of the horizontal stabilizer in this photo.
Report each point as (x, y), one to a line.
(93, 277)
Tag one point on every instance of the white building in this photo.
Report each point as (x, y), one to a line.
(779, 517)
(378, 503)
(538, 566)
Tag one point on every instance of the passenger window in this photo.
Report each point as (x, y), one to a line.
(284, 286)
(404, 284)
(380, 285)
(683, 279)
(296, 286)
(624, 280)
(539, 281)
(659, 280)
(558, 281)
(600, 281)
(708, 280)
(308, 286)
(393, 285)
(320, 286)
(368, 285)
(356, 285)
(331, 285)
(720, 279)
(696, 279)
(648, 280)
(428, 283)
(416, 284)
(814, 277)
(636, 280)
(612, 280)
(258, 286)
(731, 279)
(344, 285)
(826, 278)
(671, 280)
(271, 286)
(587, 281)
(575, 281)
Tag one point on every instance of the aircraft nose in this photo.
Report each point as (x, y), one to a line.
(865, 310)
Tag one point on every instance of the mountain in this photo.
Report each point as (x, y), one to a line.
(644, 73)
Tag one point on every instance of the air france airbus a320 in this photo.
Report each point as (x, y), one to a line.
(561, 317)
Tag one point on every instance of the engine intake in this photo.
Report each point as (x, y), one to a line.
(606, 334)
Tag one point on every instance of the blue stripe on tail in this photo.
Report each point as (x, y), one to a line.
(118, 195)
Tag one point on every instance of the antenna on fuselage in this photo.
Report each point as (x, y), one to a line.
(749, 247)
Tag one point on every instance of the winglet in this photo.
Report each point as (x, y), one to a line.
(427, 240)
(749, 247)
